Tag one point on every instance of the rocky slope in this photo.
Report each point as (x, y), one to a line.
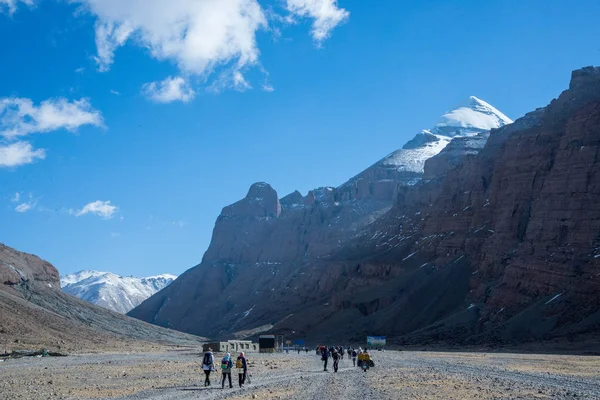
(111, 291)
(498, 243)
(35, 313)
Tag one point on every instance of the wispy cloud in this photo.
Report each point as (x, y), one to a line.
(169, 90)
(24, 206)
(80, 70)
(326, 14)
(10, 6)
(100, 208)
(19, 153)
(21, 117)
(115, 93)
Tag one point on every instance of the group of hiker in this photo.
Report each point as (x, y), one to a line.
(336, 353)
(241, 365)
(360, 358)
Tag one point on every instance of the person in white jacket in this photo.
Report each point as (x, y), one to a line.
(208, 364)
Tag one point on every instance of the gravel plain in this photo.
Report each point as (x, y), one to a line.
(175, 374)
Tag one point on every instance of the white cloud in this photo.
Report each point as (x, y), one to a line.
(101, 208)
(200, 36)
(230, 80)
(80, 70)
(196, 34)
(268, 88)
(20, 116)
(24, 207)
(19, 153)
(239, 82)
(326, 13)
(169, 90)
(116, 93)
(11, 5)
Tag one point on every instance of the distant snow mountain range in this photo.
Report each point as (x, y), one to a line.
(111, 291)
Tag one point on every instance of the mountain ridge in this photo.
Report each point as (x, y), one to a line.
(112, 291)
(263, 232)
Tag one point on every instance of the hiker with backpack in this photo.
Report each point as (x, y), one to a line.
(208, 363)
(325, 357)
(226, 366)
(336, 360)
(354, 355)
(242, 366)
(364, 361)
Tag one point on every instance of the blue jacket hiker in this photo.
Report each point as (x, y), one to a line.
(226, 366)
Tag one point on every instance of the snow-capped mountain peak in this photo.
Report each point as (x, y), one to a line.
(473, 115)
(117, 293)
(470, 118)
(79, 276)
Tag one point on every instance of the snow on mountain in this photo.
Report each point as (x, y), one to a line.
(474, 114)
(470, 118)
(108, 290)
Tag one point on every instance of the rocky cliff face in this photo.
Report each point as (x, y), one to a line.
(499, 241)
(35, 313)
(18, 268)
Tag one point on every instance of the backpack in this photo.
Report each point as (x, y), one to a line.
(225, 363)
(354, 353)
(206, 360)
(239, 363)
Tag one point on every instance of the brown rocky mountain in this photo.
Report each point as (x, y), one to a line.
(35, 313)
(500, 242)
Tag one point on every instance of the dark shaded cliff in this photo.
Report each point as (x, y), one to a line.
(500, 243)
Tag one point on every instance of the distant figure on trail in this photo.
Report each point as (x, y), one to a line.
(364, 361)
(342, 352)
(242, 366)
(226, 366)
(354, 355)
(208, 363)
(306, 350)
(325, 357)
(336, 360)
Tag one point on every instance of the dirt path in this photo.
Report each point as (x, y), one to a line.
(397, 375)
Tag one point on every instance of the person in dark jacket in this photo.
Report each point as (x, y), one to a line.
(354, 355)
(242, 366)
(336, 360)
(208, 364)
(325, 357)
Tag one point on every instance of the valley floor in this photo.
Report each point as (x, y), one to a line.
(176, 374)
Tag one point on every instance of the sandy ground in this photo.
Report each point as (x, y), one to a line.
(175, 374)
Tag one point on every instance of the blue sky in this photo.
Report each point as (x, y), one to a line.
(125, 129)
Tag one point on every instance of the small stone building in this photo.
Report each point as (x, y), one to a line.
(232, 346)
